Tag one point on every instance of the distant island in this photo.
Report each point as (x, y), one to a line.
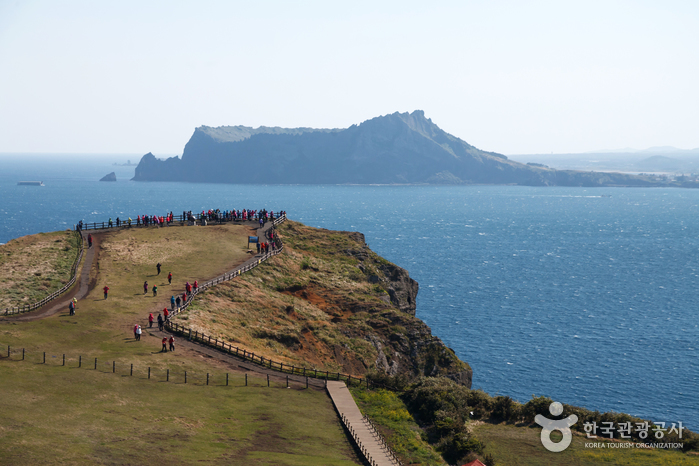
(109, 177)
(400, 148)
(127, 164)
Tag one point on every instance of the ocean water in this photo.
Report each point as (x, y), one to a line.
(588, 296)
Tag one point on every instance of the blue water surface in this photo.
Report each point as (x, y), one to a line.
(584, 295)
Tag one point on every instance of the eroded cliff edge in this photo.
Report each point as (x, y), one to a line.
(331, 303)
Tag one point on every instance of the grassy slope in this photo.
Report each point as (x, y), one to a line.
(32, 267)
(53, 414)
(396, 424)
(44, 402)
(521, 446)
(311, 306)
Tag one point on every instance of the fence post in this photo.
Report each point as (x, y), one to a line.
(131, 370)
(268, 380)
(306, 382)
(246, 379)
(8, 351)
(64, 359)
(44, 357)
(167, 378)
(185, 376)
(80, 361)
(149, 372)
(113, 367)
(287, 381)
(22, 354)
(226, 379)
(95, 363)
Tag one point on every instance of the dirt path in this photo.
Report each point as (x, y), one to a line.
(79, 291)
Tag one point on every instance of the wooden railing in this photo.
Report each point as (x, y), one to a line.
(262, 361)
(378, 437)
(55, 294)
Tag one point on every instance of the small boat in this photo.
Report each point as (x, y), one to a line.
(30, 183)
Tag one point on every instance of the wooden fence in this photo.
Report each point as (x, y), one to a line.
(159, 374)
(377, 436)
(55, 294)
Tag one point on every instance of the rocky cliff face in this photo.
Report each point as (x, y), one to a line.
(404, 344)
(396, 148)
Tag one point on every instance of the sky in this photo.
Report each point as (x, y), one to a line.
(515, 77)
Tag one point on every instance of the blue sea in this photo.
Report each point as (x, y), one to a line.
(588, 296)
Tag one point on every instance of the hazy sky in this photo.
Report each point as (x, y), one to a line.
(507, 76)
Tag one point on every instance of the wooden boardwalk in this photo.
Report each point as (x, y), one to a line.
(365, 436)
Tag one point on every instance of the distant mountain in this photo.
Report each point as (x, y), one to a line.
(393, 149)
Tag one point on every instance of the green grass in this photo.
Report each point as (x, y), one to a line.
(521, 446)
(56, 415)
(397, 426)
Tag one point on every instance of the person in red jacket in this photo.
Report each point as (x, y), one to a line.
(169, 278)
(172, 343)
(166, 313)
(150, 320)
(196, 285)
(145, 287)
(164, 345)
(106, 290)
(188, 287)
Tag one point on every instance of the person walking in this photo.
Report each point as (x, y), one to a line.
(89, 240)
(138, 333)
(155, 290)
(71, 308)
(164, 350)
(160, 322)
(169, 278)
(135, 332)
(196, 285)
(172, 343)
(106, 290)
(178, 301)
(158, 265)
(145, 287)
(150, 320)
(188, 288)
(167, 313)
(172, 302)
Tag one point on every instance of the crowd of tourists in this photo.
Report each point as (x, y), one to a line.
(211, 215)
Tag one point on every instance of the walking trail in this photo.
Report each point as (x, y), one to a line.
(61, 303)
(363, 435)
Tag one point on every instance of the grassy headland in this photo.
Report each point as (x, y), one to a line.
(328, 302)
(55, 414)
